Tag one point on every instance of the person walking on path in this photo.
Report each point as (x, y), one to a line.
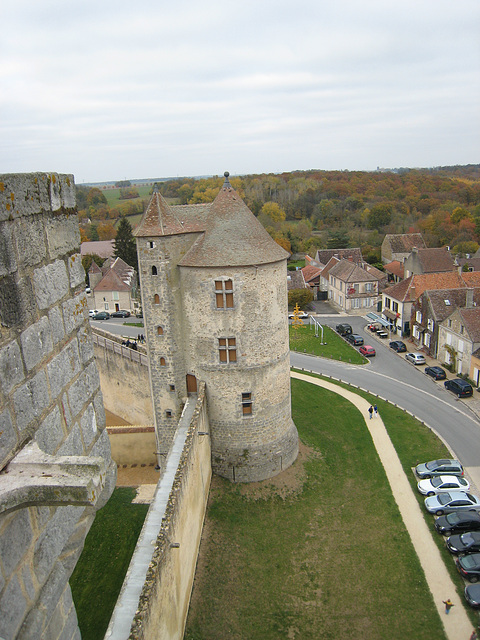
(370, 411)
(375, 408)
(474, 635)
(448, 605)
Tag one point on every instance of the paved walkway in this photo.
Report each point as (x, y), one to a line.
(457, 624)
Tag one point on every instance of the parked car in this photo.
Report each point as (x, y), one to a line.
(451, 501)
(343, 329)
(367, 350)
(121, 314)
(373, 327)
(354, 339)
(462, 543)
(398, 346)
(102, 315)
(469, 566)
(442, 483)
(437, 373)
(92, 312)
(415, 358)
(458, 522)
(301, 314)
(459, 387)
(438, 468)
(472, 595)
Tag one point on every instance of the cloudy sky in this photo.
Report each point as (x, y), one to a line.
(109, 90)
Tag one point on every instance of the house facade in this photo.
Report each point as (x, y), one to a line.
(117, 288)
(432, 308)
(437, 260)
(459, 338)
(355, 289)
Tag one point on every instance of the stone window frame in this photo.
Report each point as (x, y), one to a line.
(151, 244)
(247, 403)
(227, 350)
(223, 288)
(169, 413)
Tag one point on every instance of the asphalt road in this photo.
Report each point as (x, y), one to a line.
(116, 326)
(390, 376)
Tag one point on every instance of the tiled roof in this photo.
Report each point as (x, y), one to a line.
(350, 272)
(310, 273)
(444, 301)
(435, 260)
(102, 248)
(473, 263)
(395, 267)
(295, 280)
(412, 288)
(471, 278)
(327, 268)
(471, 320)
(404, 242)
(229, 233)
(94, 268)
(120, 277)
(324, 255)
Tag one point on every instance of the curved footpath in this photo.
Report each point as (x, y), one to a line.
(457, 624)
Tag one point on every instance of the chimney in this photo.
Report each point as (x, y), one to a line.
(469, 299)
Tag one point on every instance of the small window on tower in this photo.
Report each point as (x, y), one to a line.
(247, 403)
(154, 270)
(159, 331)
(168, 413)
(162, 362)
(156, 299)
(151, 244)
(227, 349)
(224, 294)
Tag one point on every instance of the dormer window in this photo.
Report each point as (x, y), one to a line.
(224, 294)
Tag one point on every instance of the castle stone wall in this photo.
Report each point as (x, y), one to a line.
(51, 408)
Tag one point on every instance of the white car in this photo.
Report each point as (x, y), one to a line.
(92, 312)
(301, 314)
(415, 358)
(442, 483)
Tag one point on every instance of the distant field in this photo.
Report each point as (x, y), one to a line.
(113, 195)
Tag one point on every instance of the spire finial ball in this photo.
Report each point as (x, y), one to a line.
(226, 174)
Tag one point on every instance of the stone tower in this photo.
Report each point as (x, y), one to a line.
(214, 292)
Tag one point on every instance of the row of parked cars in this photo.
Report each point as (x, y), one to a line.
(447, 495)
(105, 315)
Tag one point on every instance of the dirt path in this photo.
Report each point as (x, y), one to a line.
(457, 624)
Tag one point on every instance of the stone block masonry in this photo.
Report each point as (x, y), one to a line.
(55, 462)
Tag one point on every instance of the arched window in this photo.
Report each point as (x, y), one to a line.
(162, 362)
(154, 271)
(159, 331)
(156, 299)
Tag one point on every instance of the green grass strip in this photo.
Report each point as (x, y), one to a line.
(303, 340)
(100, 571)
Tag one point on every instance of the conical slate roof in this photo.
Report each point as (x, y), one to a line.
(230, 233)
(233, 236)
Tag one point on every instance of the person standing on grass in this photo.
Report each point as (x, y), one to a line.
(448, 605)
(370, 411)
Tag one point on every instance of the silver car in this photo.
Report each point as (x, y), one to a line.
(442, 467)
(452, 501)
(415, 358)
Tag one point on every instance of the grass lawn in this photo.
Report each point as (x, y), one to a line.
(98, 576)
(323, 555)
(303, 340)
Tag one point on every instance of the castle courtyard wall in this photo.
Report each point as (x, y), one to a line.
(51, 408)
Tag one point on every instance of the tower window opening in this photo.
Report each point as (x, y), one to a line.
(151, 244)
(224, 294)
(156, 299)
(227, 349)
(171, 387)
(159, 331)
(247, 403)
(168, 413)
(154, 271)
(162, 362)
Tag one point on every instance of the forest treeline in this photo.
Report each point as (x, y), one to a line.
(306, 210)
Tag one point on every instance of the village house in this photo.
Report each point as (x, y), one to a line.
(311, 275)
(437, 260)
(394, 271)
(397, 247)
(458, 339)
(114, 286)
(398, 299)
(354, 288)
(431, 308)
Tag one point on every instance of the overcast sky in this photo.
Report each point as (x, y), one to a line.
(109, 90)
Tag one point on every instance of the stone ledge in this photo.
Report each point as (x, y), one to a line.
(34, 478)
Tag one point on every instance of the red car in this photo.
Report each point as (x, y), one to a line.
(367, 350)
